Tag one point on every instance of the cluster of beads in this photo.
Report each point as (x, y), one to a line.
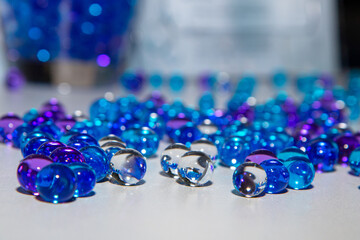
(194, 166)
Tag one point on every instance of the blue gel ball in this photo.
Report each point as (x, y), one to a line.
(277, 175)
(157, 124)
(354, 161)
(86, 178)
(77, 144)
(20, 132)
(177, 82)
(85, 138)
(155, 80)
(302, 172)
(50, 128)
(143, 139)
(323, 153)
(32, 146)
(48, 147)
(290, 152)
(30, 115)
(56, 183)
(206, 102)
(96, 158)
(26, 138)
(234, 151)
(187, 134)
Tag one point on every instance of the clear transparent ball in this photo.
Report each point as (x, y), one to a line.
(250, 179)
(171, 157)
(205, 146)
(195, 168)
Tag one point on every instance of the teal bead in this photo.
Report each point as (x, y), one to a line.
(86, 178)
(354, 161)
(96, 158)
(290, 152)
(30, 115)
(206, 102)
(279, 79)
(302, 172)
(177, 83)
(103, 109)
(156, 80)
(143, 139)
(234, 151)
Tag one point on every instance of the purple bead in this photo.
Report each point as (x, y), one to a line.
(260, 155)
(346, 143)
(48, 147)
(8, 123)
(66, 123)
(175, 124)
(157, 98)
(38, 121)
(244, 111)
(14, 79)
(29, 168)
(53, 109)
(67, 155)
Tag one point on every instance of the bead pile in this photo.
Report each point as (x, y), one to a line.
(270, 146)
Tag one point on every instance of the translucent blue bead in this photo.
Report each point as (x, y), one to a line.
(302, 172)
(86, 178)
(354, 161)
(290, 152)
(177, 83)
(143, 139)
(249, 179)
(96, 158)
(128, 167)
(195, 168)
(234, 151)
(85, 138)
(77, 144)
(277, 175)
(279, 79)
(50, 128)
(217, 138)
(19, 133)
(104, 110)
(132, 81)
(25, 138)
(170, 158)
(56, 183)
(66, 155)
(156, 80)
(206, 102)
(30, 115)
(187, 134)
(156, 123)
(32, 146)
(65, 138)
(48, 147)
(323, 153)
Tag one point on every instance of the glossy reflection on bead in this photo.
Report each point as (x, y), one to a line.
(277, 175)
(111, 138)
(290, 152)
(249, 179)
(85, 138)
(111, 148)
(97, 159)
(260, 155)
(86, 178)
(170, 158)
(234, 151)
(205, 146)
(66, 155)
(56, 183)
(302, 172)
(32, 146)
(195, 168)
(143, 139)
(323, 153)
(28, 169)
(346, 143)
(128, 167)
(48, 147)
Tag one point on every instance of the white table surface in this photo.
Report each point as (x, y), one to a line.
(164, 209)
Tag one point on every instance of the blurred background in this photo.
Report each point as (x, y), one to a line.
(92, 42)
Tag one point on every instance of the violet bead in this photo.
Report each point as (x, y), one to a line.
(48, 147)
(8, 123)
(65, 124)
(14, 79)
(67, 155)
(260, 155)
(346, 143)
(53, 109)
(29, 168)
(157, 98)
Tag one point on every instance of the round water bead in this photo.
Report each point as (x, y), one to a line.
(25, 138)
(128, 167)
(323, 153)
(301, 172)
(143, 139)
(111, 138)
(187, 134)
(65, 124)
(9, 123)
(50, 128)
(66, 155)
(249, 179)
(277, 175)
(260, 155)
(290, 152)
(171, 156)
(346, 143)
(20, 132)
(86, 178)
(77, 144)
(195, 168)
(96, 158)
(56, 183)
(354, 161)
(207, 127)
(234, 151)
(48, 147)
(29, 168)
(32, 146)
(156, 123)
(85, 138)
(205, 146)
(111, 148)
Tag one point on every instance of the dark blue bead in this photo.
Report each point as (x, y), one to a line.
(234, 151)
(277, 175)
(86, 178)
(19, 133)
(48, 147)
(323, 153)
(78, 144)
(50, 128)
(32, 146)
(96, 158)
(56, 183)
(84, 138)
(187, 134)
